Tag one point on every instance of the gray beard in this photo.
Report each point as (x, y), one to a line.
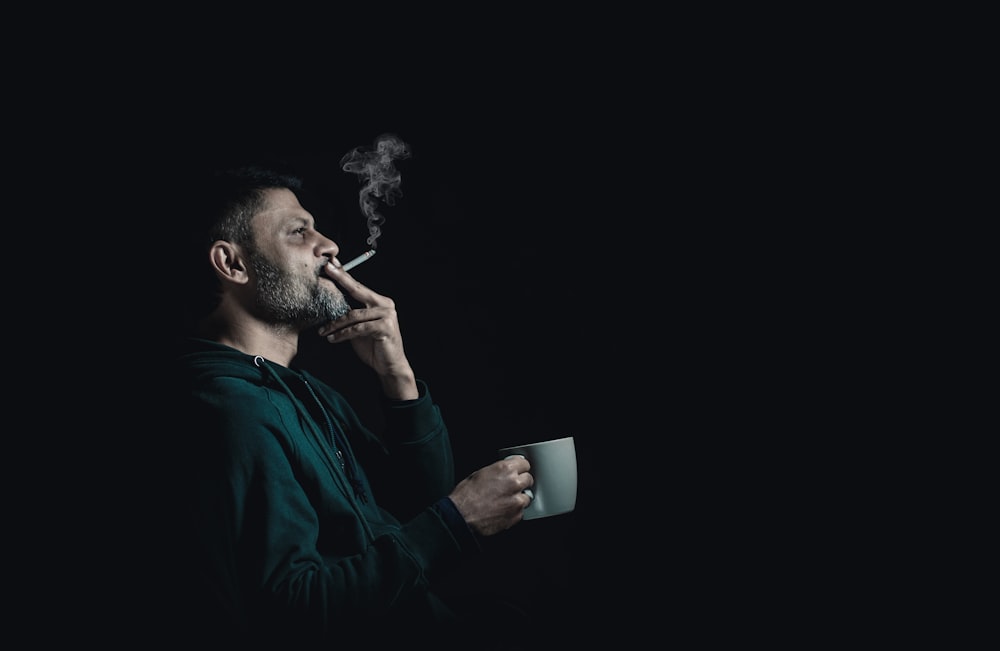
(283, 298)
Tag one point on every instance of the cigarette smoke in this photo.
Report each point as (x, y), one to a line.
(380, 178)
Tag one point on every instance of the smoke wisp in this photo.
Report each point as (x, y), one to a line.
(379, 177)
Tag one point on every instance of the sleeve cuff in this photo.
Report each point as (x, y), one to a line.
(466, 537)
(419, 417)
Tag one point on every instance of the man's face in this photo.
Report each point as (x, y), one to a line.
(287, 261)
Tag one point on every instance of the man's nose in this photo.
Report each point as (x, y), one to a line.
(327, 247)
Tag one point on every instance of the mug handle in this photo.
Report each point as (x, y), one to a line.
(526, 491)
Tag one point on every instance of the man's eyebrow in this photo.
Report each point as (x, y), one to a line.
(300, 219)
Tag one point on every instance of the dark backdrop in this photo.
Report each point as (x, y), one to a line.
(592, 240)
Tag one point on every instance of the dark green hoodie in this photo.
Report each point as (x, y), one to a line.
(290, 544)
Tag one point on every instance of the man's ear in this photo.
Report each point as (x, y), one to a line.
(228, 262)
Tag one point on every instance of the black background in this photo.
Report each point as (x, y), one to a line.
(621, 227)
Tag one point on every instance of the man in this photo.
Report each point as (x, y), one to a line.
(300, 524)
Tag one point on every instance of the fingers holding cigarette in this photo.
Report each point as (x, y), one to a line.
(352, 286)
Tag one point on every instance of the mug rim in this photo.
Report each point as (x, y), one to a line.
(528, 445)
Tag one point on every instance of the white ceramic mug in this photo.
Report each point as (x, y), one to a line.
(553, 465)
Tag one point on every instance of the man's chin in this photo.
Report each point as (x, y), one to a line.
(329, 313)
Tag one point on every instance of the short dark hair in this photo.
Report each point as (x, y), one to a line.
(233, 196)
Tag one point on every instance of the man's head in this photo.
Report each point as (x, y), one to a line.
(258, 245)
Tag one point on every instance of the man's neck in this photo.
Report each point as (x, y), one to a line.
(275, 344)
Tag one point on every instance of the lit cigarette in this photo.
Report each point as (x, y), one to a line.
(358, 260)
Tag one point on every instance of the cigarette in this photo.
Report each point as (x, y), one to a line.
(358, 260)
